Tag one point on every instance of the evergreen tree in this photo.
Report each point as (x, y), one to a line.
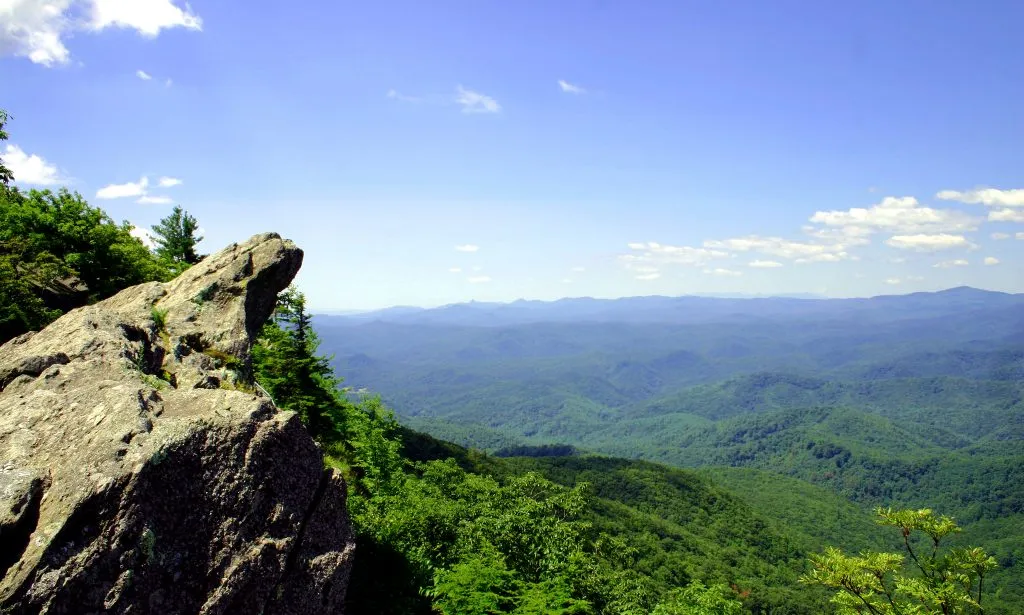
(288, 367)
(175, 237)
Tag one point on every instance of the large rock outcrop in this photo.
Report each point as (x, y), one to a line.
(140, 472)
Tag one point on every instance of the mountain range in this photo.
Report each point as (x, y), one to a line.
(909, 400)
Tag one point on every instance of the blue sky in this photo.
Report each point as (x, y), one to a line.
(572, 148)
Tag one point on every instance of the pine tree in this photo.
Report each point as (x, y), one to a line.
(175, 237)
(289, 368)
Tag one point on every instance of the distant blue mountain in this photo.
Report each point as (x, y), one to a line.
(689, 309)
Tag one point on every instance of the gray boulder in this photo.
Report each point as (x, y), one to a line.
(141, 472)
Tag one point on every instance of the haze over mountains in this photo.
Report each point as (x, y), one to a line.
(911, 400)
(683, 309)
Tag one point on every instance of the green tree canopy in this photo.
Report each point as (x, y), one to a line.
(175, 237)
(939, 583)
(6, 176)
(57, 252)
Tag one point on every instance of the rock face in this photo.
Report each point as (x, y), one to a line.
(141, 473)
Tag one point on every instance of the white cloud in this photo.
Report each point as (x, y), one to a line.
(724, 272)
(141, 74)
(1000, 236)
(480, 279)
(475, 102)
(764, 264)
(168, 82)
(36, 29)
(899, 215)
(168, 182)
(953, 263)
(782, 248)
(147, 17)
(455, 270)
(929, 243)
(1019, 235)
(892, 281)
(578, 269)
(991, 260)
(31, 169)
(992, 197)
(32, 29)
(154, 200)
(1006, 215)
(654, 275)
(566, 281)
(118, 191)
(467, 248)
(570, 88)
(827, 257)
(144, 235)
(681, 255)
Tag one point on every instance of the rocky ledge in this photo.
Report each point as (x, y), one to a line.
(141, 472)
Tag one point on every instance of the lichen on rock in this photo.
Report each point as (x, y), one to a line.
(140, 472)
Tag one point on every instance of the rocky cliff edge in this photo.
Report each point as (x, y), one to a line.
(141, 472)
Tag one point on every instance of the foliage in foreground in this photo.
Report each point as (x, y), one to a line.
(949, 582)
(57, 252)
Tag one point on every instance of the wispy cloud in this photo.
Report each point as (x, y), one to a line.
(154, 200)
(455, 270)
(784, 248)
(468, 247)
(30, 169)
(764, 264)
(991, 260)
(396, 95)
(578, 269)
(950, 264)
(480, 279)
(720, 271)
(654, 252)
(929, 243)
(139, 189)
(653, 275)
(120, 191)
(475, 102)
(570, 88)
(141, 74)
(993, 197)
(1000, 236)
